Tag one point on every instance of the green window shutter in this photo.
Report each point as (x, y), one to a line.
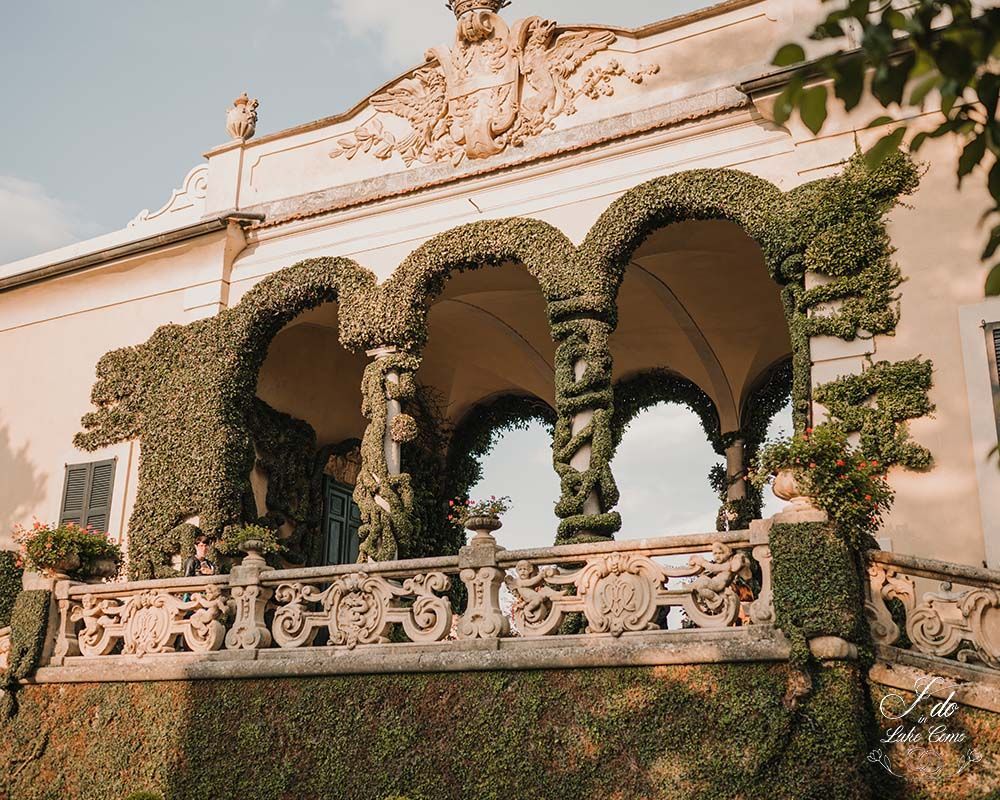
(87, 494)
(74, 499)
(993, 354)
(341, 519)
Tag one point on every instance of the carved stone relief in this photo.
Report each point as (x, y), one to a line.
(496, 87)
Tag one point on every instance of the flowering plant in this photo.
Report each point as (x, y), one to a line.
(236, 537)
(852, 489)
(44, 547)
(460, 511)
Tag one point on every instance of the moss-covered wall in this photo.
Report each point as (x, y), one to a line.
(707, 732)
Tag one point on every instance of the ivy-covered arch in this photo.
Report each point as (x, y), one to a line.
(188, 394)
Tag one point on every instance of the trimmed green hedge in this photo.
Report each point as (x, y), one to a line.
(709, 732)
(10, 585)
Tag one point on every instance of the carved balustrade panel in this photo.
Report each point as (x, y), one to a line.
(619, 592)
(145, 622)
(963, 624)
(361, 608)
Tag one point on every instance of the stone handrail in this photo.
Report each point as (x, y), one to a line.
(960, 624)
(610, 588)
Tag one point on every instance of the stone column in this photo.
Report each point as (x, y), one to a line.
(735, 471)
(393, 450)
(249, 631)
(580, 460)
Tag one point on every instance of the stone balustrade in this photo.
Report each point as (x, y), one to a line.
(961, 623)
(610, 592)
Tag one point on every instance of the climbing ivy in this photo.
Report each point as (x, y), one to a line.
(877, 403)
(28, 624)
(188, 392)
(10, 584)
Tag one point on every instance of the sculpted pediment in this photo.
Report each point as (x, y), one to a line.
(495, 87)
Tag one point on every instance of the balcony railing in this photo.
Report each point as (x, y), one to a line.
(608, 591)
(960, 623)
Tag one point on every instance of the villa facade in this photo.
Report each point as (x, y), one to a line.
(322, 326)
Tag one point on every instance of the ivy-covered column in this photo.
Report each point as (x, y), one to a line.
(383, 493)
(583, 444)
(736, 471)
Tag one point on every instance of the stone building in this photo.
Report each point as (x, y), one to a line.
(542, 221)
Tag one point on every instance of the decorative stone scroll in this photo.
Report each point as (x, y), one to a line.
(361, 608)
(148, 622)
(624, 592)
(947, 623)
(496, 87)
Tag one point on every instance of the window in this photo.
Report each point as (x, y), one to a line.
(993, 354)
(341, 520)
(86, 496)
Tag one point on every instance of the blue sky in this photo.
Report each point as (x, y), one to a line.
(108, 104)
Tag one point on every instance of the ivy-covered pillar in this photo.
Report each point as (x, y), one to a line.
(384, 493)
(736, 471)
(583, 443)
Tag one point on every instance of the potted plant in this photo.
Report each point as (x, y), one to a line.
(819, 466)
(68, 550)
(482, 517)
(256, 541)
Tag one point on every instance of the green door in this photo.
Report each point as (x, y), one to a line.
(342, 517)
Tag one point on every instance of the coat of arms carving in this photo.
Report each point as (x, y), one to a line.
(496, 87)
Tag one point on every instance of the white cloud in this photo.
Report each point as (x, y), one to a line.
(402, 30)
(31, 221)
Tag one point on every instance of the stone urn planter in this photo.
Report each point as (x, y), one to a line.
(60, 569)
(482, 526)
(101, 569)
(787, 487)
(254, 553)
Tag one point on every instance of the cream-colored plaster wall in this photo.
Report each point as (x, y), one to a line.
(51, 336)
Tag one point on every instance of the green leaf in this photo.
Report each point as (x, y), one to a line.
(993, 281)
(993, 243)
(894, 19)
(925, 87)
(890, 81)
(785, 104)
(878, 122)
(789, 54)
(850, 83)
(884, 146)
(813, 108)
(917, 142)
(994, 182)
(972, 154)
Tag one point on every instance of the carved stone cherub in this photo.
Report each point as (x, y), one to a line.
(529, 586)
(718, 574)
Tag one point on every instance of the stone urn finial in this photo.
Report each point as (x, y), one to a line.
(241, 119)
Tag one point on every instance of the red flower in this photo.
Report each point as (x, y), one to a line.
(840, 463)
(868, 497)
